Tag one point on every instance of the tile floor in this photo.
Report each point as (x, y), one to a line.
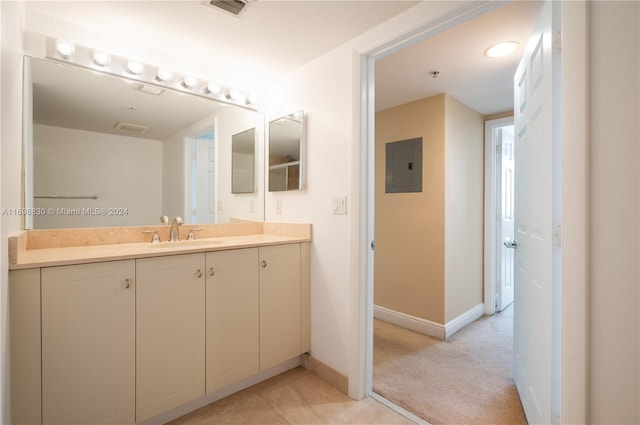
(292, 398)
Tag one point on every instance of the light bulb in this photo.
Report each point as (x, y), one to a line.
(501, 49)
(234, 94)
(65, 48)
(135, 67)
(164, 75)
(251, 99)
(189, 81)
(213, 88)
(101, 58)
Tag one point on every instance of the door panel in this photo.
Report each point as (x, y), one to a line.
(507, 206)
(533, 223)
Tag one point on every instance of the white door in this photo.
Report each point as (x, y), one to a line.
(506, 208)
(205, 180)
(533, 222)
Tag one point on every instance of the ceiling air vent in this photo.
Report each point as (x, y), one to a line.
(131, 128)
(235, 7)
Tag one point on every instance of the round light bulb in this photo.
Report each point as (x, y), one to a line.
(189, 81)
(101, 58)
(135, 67)
(251, 99)
(213, 88)
(65, 48)
(234, 94)
(164, 75)
(501, 49)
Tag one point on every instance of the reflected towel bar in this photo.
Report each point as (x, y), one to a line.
(65, 197)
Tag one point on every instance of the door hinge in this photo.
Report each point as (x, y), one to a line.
(373, 245)
(557, 41)
(557, 236)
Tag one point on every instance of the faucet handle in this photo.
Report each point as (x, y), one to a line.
(164, 219)
(177, 220)
(191, 236)
(155, 239)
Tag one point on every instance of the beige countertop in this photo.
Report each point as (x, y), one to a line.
(23, 256)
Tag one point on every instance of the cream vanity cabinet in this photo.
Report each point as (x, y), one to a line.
(233, 318)
(170, 332)
(280, 307)
(255, 303)
(123, 341)
(88, 343)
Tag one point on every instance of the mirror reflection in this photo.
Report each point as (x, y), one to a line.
(285, 152)
(104, 151)
(243, 162)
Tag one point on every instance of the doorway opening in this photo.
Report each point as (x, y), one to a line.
(503, 299)
(201, 183)
(499, 217)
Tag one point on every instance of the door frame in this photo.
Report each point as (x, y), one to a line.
(572, 371)
(491, 177)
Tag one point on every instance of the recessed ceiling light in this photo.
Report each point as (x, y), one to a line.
(501, 49)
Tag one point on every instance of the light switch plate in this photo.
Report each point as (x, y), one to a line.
(339, 205)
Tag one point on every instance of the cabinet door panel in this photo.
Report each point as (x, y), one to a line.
(170, 326)
(280, 327)
(26, 347)
(233, 345)
(88, 343)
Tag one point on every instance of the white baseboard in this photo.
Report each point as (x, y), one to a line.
(408, 321)
(427, 327)
(463, 320)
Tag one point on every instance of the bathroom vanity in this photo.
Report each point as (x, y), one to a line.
(107, 327)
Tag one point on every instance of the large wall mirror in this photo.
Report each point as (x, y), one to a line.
(104, 151)
(286, 136)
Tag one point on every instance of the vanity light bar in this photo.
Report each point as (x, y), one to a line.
(130, 68)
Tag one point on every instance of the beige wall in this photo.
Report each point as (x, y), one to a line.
(463, 212)
(409, 227)
(428, 260)
(613, 371)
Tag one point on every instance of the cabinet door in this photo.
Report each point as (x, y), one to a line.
(170, 326)
(233, 321)
(280, 327)
(26, 347)
(88, 343)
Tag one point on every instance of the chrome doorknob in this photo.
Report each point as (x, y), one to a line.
(511, 244)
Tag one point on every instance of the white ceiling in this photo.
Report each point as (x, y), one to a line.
(482, 83)
(269, 39)
(275, 37)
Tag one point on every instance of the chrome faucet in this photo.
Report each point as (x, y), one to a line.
(174, 234)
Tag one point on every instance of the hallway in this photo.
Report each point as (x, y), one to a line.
(466, 379)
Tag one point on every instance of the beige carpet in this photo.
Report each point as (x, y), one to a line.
(464, 380)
